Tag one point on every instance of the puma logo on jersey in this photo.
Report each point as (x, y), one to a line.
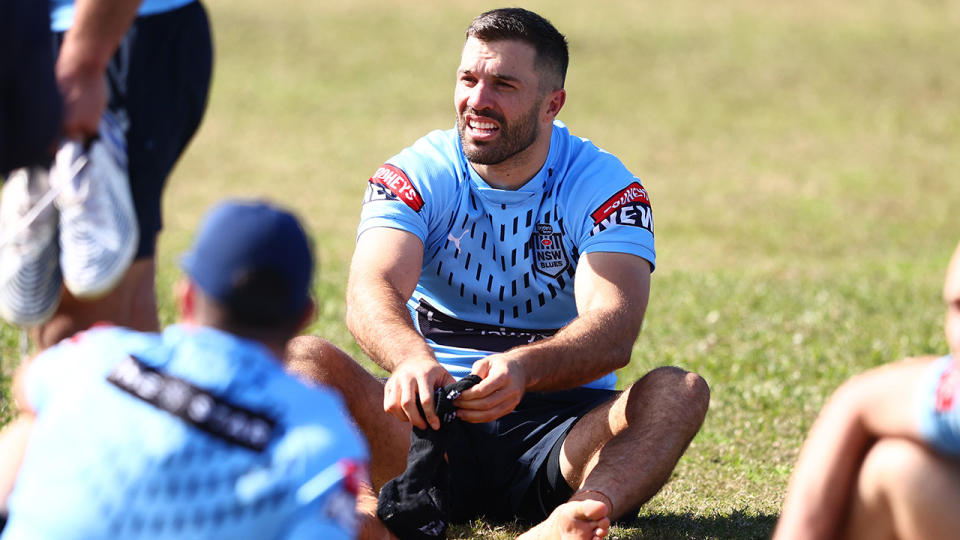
(456, 239)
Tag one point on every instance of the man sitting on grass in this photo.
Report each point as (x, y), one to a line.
(198, 432)
(510, 249)
(882, 461)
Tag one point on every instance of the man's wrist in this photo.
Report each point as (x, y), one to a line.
(521, 362)
(399, 360)
(82, 58)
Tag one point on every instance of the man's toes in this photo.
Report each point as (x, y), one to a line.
(590, 510)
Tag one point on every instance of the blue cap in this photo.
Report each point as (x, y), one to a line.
(244, 242)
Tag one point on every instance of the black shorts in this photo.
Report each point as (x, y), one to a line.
(159, 80)
(30, 105)
(509, 468)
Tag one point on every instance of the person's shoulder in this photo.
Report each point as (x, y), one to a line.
(84, 358)
(321, 399)
(317, 420)
(309, 402)
(105, 336)
(582, 155)
(439, 144)
(590, 173)
(427, 174)
(433, 157)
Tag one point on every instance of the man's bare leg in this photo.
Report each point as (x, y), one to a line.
(622, 452)
(132, 303)
(905, 491)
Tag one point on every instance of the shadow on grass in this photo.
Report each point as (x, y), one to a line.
(737, 525)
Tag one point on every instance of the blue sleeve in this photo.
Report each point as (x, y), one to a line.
(613, 208)
(332, 463)
(939, 406)
(327, 501)
(41, 377)
(334, 517)
(412, 190)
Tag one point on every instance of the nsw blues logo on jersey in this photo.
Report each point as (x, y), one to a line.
(549, 255)
(390, 183)
(629, 206)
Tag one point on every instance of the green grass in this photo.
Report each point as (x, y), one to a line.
(801, 158)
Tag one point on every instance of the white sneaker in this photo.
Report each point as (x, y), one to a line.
(29, 268)
(98, 224)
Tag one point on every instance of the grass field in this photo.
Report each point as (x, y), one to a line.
(803, 160)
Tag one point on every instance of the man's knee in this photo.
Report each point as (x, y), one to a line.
(904, 490)
(313, 357)
(894, 467)
(675, 389)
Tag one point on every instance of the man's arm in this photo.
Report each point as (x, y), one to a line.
(879, 403)
(98, 28)
(611, 290)
(383, 275)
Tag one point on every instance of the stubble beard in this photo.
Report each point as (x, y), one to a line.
(514, 138)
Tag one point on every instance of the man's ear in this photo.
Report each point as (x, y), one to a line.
(185, 293)
(554, 103)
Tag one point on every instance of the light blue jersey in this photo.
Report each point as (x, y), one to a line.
(499, 265)
(939, 406)
(61, 11)
(192, 434)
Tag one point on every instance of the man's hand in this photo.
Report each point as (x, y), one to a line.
(411, 379)
(84, 98)
(98, 28)
(504, 383)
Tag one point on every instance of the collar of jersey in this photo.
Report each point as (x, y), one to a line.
(219, 355)
(533, 188)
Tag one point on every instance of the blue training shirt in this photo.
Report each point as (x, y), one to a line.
(61, 11)
(499, 265)
(939, 406)
(194, 433)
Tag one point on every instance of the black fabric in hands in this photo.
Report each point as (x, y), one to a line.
(417, 504)
(443, 399)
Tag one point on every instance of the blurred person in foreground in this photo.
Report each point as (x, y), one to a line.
(197, 432)
(509, 249)
(134, 77)
(882, 460)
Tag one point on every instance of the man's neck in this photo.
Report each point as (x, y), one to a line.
(516, 171)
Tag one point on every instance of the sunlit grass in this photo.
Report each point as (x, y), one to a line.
(801, 158)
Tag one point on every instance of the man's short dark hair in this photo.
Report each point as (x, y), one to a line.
(252, 309)
(520, 24)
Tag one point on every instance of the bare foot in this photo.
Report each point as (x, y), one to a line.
(574, 520)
